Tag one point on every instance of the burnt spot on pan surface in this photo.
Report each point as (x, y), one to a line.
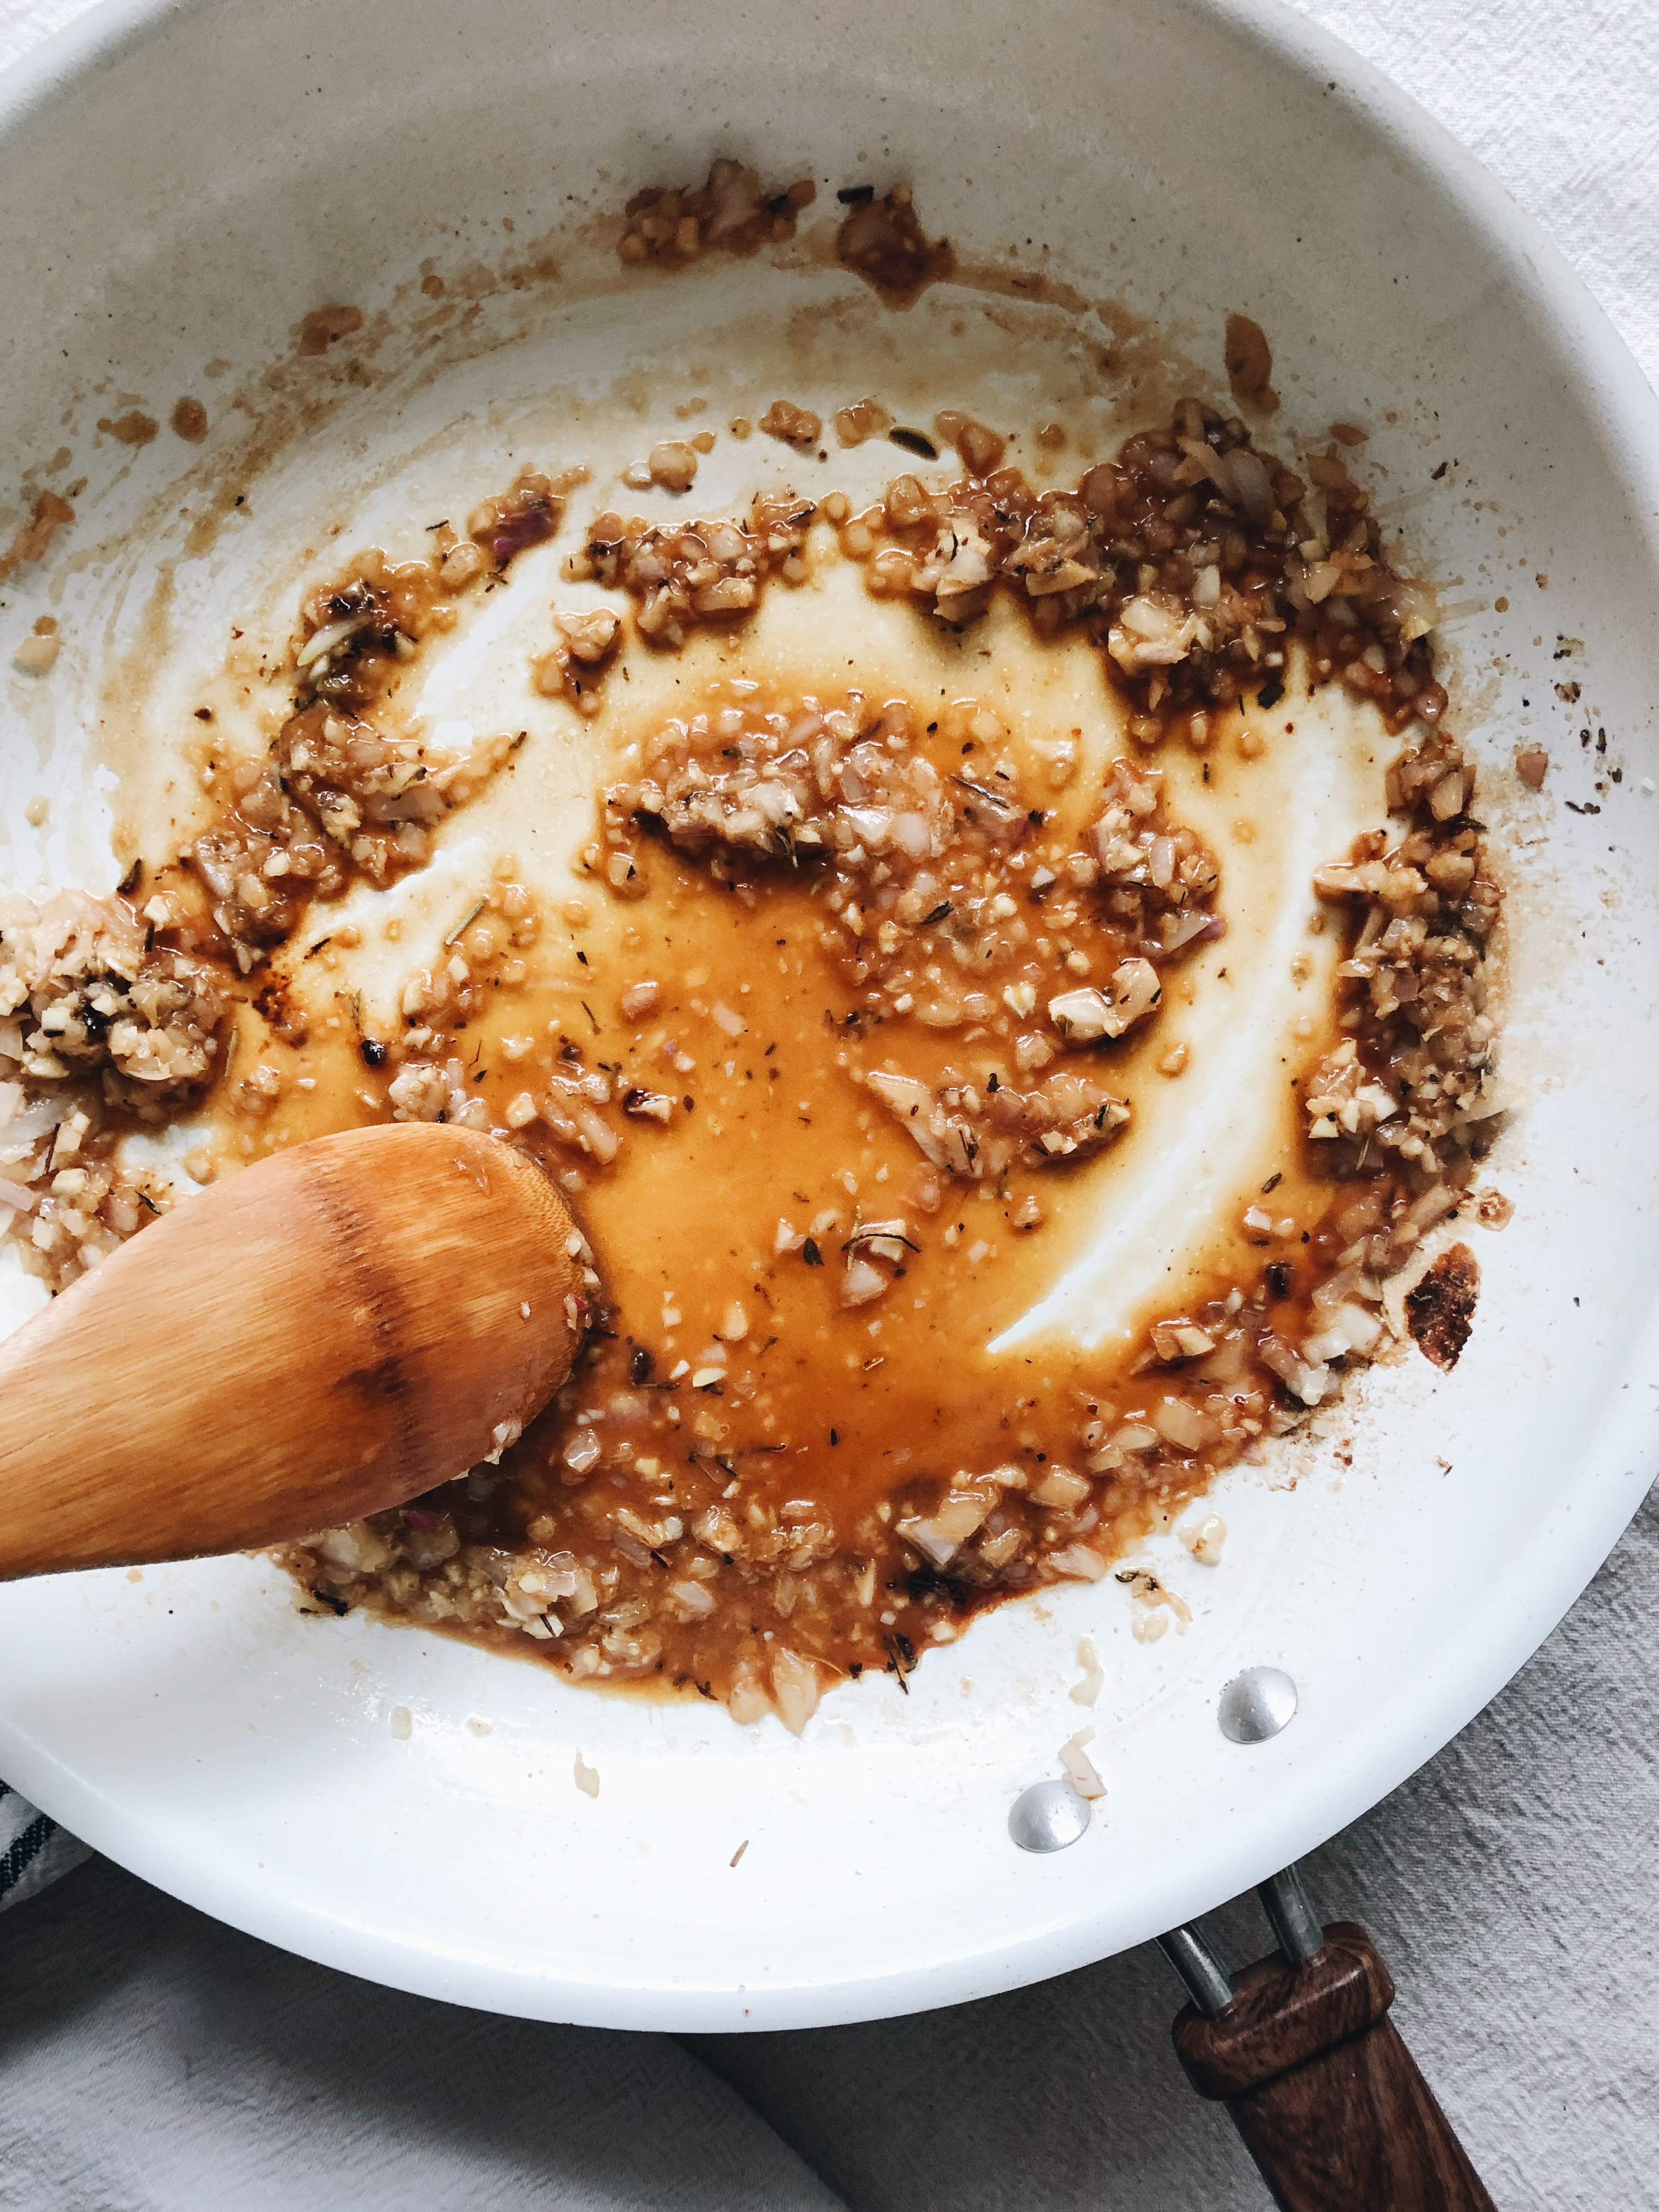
(1440, 1310)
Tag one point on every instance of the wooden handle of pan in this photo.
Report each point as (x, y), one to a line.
(1328, 2099)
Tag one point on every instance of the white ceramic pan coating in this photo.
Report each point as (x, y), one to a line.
(180, 184)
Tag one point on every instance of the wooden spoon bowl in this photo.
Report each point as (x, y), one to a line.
(338, 1329)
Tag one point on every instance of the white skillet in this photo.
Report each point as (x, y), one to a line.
(180, 185)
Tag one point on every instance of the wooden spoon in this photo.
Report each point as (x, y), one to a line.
(316, 1338)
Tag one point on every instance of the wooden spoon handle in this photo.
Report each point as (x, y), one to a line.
(1328, 2099)
(341, 1327)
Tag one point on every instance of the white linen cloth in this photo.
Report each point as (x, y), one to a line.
(152, 2061)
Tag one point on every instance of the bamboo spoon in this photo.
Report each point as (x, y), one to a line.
(317, 1338)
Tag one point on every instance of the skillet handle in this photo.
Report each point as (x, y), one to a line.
(1328, 2099)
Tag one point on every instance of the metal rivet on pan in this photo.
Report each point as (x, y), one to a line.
(1047, 1816)
(1256, 1704)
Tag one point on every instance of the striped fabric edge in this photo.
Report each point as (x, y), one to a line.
(34, 1850)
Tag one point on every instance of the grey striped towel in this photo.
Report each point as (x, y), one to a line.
(34, 1850)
